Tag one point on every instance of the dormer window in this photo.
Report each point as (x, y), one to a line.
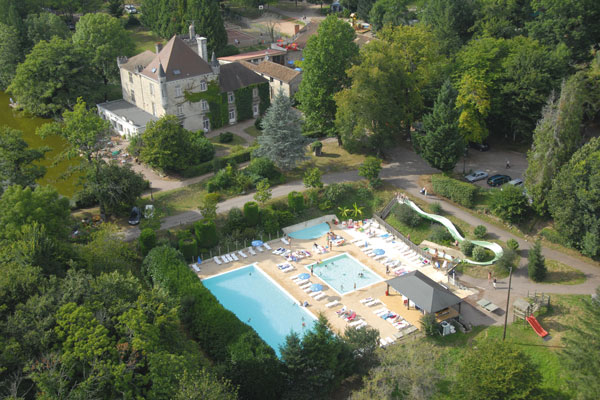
(176, 72)
(203, 87)
(154, 70)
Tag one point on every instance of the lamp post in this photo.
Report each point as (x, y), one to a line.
(507, 300)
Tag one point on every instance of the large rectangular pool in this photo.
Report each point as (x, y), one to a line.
(261, 303)
(343, 272)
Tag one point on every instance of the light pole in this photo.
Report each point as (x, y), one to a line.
(507, 300)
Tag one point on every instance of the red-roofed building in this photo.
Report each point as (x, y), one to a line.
(256, 57)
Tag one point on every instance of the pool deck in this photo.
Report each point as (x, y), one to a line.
(268, 261)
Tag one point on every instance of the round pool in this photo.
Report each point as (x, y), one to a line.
(312, 232)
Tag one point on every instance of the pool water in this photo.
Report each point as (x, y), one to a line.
(312, 232)
(342, 272)
(258, 301)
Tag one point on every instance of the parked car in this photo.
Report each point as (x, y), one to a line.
(498, 180)
(516, 182)
(479, 146)
(476, 176)
(130, 9)
(135, 217)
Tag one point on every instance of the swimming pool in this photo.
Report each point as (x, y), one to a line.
(343, 271)
(312, 232)
(260, 302)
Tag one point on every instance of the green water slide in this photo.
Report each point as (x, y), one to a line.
(494, 247)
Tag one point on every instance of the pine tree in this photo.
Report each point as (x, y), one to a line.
(282, 141)
(442, 145)
(537, 264)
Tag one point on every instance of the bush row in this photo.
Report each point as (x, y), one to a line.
(216, 164)
(240, 353)
(460, 192)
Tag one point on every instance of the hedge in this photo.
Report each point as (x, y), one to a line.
(220, 334)
(296, 201)
(251, 213)
(189, 248)
(206, 233)
(216, 164)
(460, 192)
(147, 240)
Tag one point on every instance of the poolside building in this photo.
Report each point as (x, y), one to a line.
(422, 293)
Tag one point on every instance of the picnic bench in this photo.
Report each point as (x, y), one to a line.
(488, 305)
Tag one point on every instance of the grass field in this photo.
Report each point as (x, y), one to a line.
(252, 131)
(144, 39)
(226, 148)
(179, 200)
(563, 274)
(333, 159)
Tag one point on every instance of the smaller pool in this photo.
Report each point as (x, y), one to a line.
(342, 272)
(312, 232)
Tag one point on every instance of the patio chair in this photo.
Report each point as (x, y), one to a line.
(217, 260)
(251, 251)
(232, 255)
(320, 296)
(241, 253)
(267, 246)
(284, 240)
(332, 304)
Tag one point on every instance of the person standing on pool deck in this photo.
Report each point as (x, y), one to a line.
(311, 270)
(354, 285)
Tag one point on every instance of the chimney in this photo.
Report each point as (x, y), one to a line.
(202, 51)
(266, 55)
(192, 30)
(158, 47)
(296, 29)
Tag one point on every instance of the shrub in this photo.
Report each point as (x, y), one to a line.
(429, 324)
(189, 248)
(509, 204)
(461, 192)
(440, 235)
(235, 220)
(264, 168)
(479, 253)
(296, 202)
(480, 231)
(285, 218)
(370, 170)
(407, 215)
(223, 179)
(552, 236)
(251, 213)
(466, 246)
(337, 193)
(206, 233)
(147, 240)
(512, 244)
(507, 260)
(436, 208)
(268, 221)
(257, 123)
(197, 170)
(225, 137)
(316, 145)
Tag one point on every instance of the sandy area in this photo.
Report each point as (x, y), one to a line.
(268, 263)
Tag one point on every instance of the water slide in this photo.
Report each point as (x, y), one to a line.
(494, 247)
(536, 326)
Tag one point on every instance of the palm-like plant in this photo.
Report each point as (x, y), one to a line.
(344, 211)
(357, 210)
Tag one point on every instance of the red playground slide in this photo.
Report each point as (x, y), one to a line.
(536, 326)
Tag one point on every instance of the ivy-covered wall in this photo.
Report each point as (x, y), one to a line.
(219, 107)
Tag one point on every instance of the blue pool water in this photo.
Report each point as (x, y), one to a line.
(312, 232)
(256, 300)
(342, 272)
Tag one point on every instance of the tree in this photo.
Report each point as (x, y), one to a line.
(209, 22)
(208, 206)
(263, 191)
(568, 21)
(106, 251)
(115, 8)
(363, 344)
(502, 18)
(388, 12)
(115, 187)
(555, 139)
(102, 39)
(11, 54)
(166, 145)
(24, 206)
(407, 371)
(282, 141)
(573, 200)
(147, 240)
(450, 22)
(496, 370)
(474, 103)
(370, 170)
(312, 178)
(327, 56)
(203, 385)
(536, 265)
(17, 160)
(44, 26)
(52, 77)
(442, 145)
(429, 325)
(510, 204)
(582, 346)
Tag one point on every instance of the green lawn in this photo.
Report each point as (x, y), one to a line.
(252, 131)
(227, 147)
(179, 200)
(563, 274)
(144, 39)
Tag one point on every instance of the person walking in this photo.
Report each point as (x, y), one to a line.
(489, 277)
(494, 283)
(507, 164)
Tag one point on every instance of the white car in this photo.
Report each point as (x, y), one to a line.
(516, 182)
(476, 176)
(130, 9)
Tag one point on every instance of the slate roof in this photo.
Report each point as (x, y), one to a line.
(274, 70)
(128, 111)
(234, 76)
(424, 292)
(178, 61)
(142, 59)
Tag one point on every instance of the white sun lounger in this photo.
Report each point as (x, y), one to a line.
(302, 281)
(195, 268)
(267, 246)
(355, 323)
(380, 310)
(289, 269)
(332, 304)
(241, 253)
(306, 285)
(284, 240)
(379, 257)
(320, 296)
(232, 255)
(225, 258)
(314, 294)
(373, 303)
(361, 325)
(356, 241)
(251, 251)
(385, 311)
(366, 300)
(390, 340)
(259, 248)
(217, 260)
